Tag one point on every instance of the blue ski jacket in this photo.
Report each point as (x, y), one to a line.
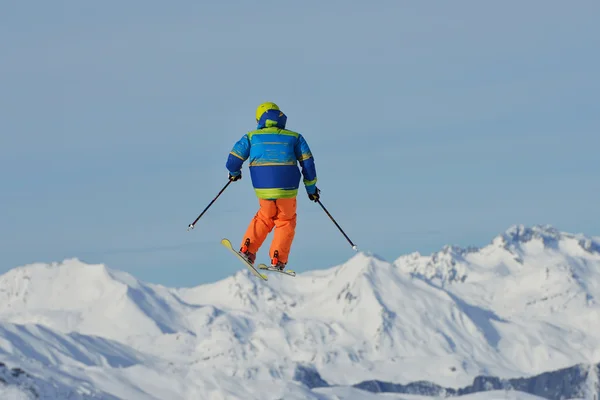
(274, 154)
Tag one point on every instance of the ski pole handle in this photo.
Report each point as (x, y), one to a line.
(336, 224)
(191, 226)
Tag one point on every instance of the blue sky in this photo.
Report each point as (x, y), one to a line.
(431, 124)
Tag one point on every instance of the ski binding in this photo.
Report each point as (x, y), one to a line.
(272, 269)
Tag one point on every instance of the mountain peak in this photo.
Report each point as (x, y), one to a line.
(516, 245)
(73, 290)
(518, 235)
(523, 234)
(365, 258)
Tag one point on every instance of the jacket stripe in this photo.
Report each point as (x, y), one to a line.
(273, 130)
(271, 194)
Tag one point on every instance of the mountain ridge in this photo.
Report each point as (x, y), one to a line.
(503, 311)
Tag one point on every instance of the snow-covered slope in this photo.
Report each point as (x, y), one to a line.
(525, 304)
(73, 296)
(532, 292)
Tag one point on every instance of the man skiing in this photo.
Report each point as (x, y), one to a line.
(274, 154)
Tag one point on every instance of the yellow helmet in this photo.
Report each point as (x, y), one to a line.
(264, 107)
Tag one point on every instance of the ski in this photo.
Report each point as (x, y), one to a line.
(227, 244)
(285, 271)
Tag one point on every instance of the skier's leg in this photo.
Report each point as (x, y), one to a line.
(285, 229)
(260, 225)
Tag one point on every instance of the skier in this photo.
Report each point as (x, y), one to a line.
(274, 154)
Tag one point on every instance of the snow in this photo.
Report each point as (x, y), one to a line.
(12, 393)
(526, 303)
(344, 393)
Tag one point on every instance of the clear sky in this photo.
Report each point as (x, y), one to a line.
(431, 124)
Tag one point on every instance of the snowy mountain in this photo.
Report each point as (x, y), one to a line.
(522, 306)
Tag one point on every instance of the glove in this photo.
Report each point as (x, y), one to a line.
(236, 177)
(314, 196)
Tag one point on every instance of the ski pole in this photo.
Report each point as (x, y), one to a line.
(336, 224)
(191, 226)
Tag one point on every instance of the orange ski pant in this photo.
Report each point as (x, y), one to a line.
(279, 214)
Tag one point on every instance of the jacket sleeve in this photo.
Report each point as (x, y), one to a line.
(307, 163)
(237, 156)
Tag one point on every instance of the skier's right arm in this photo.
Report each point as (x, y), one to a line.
(307, 163)
(237, 156)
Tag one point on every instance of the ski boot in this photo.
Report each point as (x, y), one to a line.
(275, 263)
(251, 257)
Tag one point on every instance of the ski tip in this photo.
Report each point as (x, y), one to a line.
(354, 248)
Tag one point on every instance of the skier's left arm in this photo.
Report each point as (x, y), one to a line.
(307, 163)
(237, 156)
